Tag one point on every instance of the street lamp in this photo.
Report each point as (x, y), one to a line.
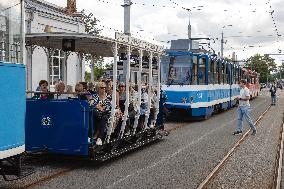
(222, 40)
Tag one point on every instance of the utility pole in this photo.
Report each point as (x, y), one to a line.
(189, 26)
(222, 44)
(127, 6)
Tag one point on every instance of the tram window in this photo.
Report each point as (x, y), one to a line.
(218, 72)
(228, 80)
(176, 70)
(211, 73)
(194, 71)
(202, 74)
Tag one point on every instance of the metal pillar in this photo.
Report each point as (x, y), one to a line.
(127, 79)
(149, 90)
(65, 67)
(139, 81)
(113, 102)
(29, 63)
(127, 6)
(92, 69)
(158, 92)
(222, 44)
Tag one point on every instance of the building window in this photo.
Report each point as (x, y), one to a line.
(11, 31)
(56, 67)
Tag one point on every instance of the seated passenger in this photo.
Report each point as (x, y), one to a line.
(69, 89)
(109, 86)
(133, 108)
(143, 109)
(121, 97)
(101, 113)
(81, 94)
(91, 88)
(60, 89)
(44, 93)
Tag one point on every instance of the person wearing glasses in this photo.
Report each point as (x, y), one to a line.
(102, 112)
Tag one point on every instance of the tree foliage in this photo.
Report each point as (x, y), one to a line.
(264, 65)
(90, 22)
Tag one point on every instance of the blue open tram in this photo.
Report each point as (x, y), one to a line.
(68, 126)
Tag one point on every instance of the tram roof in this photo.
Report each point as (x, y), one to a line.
(84, 43)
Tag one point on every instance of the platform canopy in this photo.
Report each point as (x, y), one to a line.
(87, 43)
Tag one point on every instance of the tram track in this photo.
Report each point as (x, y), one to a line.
(204, 184)
(279, 162)
(67, 170)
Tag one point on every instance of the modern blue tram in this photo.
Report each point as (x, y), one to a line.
(12, 90)
(197, 84)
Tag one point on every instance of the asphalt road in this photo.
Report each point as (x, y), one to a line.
(181, 160)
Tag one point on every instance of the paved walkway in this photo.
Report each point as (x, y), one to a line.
(252, 165)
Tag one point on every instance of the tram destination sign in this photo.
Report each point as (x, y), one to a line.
(120, 37)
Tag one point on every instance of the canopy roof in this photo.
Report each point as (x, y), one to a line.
(86, 43)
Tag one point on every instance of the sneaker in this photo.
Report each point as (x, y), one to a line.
(253, 132)
(99, 142)
(238, 133)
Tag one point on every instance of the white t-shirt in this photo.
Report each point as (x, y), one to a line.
(244, 93)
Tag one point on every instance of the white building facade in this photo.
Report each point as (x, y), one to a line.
(52, 64)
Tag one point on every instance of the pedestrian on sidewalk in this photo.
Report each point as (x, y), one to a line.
(273, 90)
(244, 109)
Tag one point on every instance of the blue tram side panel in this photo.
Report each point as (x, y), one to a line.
(58, 126)
(193, 86)
(12, 108)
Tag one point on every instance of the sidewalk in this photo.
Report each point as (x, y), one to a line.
(252, 165)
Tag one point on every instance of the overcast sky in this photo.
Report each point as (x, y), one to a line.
(252, 30)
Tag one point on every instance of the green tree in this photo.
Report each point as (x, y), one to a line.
(90, 22)
(264, 65)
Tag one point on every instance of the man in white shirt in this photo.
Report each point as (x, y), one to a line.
(244, 109)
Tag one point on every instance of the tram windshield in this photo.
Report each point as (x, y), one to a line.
(176, 70)
(11, 31)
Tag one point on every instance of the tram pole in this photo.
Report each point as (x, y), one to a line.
(127, 84)
(149, 89)
(139, 82)
(114, 85)
(127, 19)
(222, 44)
(157, 103)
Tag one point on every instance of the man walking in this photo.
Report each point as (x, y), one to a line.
(273, 90)
(244, 109)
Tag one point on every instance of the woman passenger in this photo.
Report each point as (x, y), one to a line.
(60, 89)
(81, 94)
(101, 112)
